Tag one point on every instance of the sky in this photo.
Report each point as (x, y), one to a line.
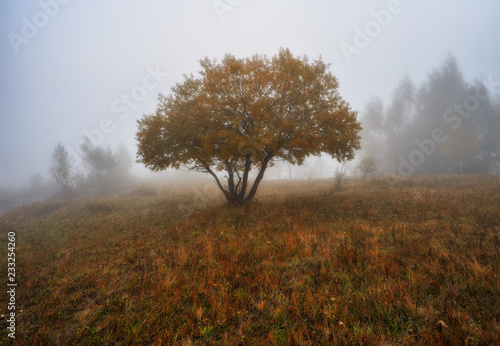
(70, 68)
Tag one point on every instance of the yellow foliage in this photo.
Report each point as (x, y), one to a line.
(246, 112)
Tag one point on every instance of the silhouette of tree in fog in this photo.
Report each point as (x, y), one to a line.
(119, 175)
(366, 166)
(36, 184)
(487, 121)
(400, 114)
(373, 134)
(465, 115)
(442, 90)
(60, 169)
(124, 159)
(99, 161)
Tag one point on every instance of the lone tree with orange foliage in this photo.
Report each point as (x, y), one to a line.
(242, 114)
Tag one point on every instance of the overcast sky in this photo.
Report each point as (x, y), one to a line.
(72, 66)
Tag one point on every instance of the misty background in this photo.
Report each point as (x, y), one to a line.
(74, 68)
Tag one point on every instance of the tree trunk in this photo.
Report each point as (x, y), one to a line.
(233, 196)
(248, 164)
(256, 183)
(212, 173)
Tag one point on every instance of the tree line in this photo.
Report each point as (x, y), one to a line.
(445, 126)
(102, 169)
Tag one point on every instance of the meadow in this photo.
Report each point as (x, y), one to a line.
(382, 262)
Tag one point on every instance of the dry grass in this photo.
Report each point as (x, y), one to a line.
(384, 262)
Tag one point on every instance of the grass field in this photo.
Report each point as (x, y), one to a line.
(382, 262)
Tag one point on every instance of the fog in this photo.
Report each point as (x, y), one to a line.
(75, 68)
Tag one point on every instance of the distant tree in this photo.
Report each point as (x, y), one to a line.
(119, 175)
(487, 121)
(373, 133)
(60, 169)
(367, 166)
(339, 174)
(461, 147)
(124, 159)
(444, 87)
(36, 184)
(400, 114)
(245, 113)
(402, 109)
(99, 161)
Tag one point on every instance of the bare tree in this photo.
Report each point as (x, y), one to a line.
(98, 160)
(366, 166)
(339, 174)
(61, 167)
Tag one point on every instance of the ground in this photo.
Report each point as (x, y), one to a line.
(387, 261)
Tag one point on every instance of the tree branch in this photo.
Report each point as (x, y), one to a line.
(239, 181)
(212, 173)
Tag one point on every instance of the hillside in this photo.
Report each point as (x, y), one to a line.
(376, 262)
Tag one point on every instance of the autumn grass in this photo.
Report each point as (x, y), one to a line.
(380, 262)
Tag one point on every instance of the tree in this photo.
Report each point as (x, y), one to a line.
(125, 162)
(339, 174)
(36, 185)
(98, 160)
(36, 182)
(444, 88)
(119, 175)
(400, 115)
(461, 146)
(373, 131)
(241, 114)
(487, 122)
(366, 166)
(61, 167)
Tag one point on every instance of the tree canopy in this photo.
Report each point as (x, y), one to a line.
(241, 114)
